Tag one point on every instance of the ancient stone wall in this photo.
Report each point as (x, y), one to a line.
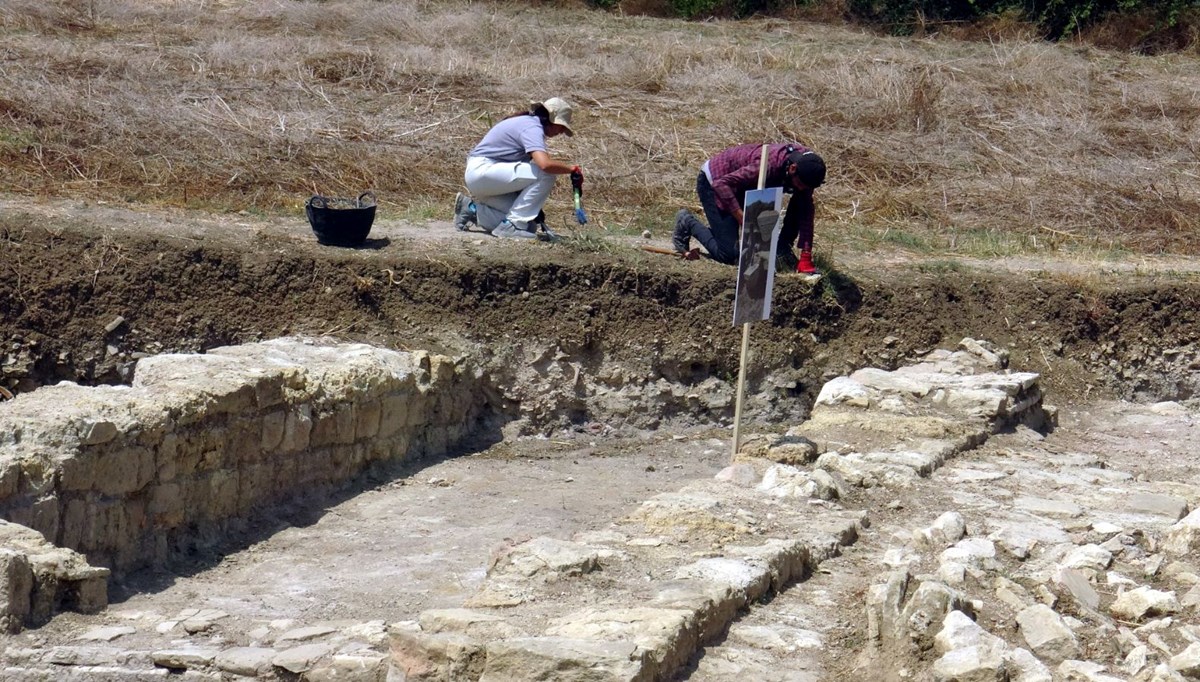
(130, 475)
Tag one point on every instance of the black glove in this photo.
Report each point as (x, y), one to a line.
(577, 179)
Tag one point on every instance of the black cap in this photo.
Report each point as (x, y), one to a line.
(810, 167)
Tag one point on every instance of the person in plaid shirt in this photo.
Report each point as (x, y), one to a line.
(722, 185)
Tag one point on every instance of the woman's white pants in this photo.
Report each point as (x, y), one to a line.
(502, 190)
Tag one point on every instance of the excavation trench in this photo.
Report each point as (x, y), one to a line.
(578, 385)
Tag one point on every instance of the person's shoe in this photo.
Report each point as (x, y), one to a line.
(506, 230)
(805, 266)
(681, 238)
(785, 260)
(464, 212)
(538, 224)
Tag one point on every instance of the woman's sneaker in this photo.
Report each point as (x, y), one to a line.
(464, 212)
(507, 230)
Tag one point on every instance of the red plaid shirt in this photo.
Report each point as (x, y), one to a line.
(735, 171)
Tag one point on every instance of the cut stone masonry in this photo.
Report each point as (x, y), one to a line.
(637, 600)
(131, 475)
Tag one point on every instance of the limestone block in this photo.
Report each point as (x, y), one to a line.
(166, 505)
(782, 480)
(342, 460)
(884, 602)
(1187, 662)
(300, 659)
(1046, 633)
(79, 472)
(393, 414)
(1023, 666)
(971, 664)
(287, 472)
(974, 402)
(920, 462)
(713, 605)
(1025, 535)
(184, 658)
(346, 421)
(548, 558)
(121, 471)
(97, 431)
(1184, 535)
(269, 387)
(973, 552)
(255, 486)
(418, 409)
(426, 657)
(314, 467)
(1169, 506)
(358, 667)
(987, 353)
(16, 584)
(244, 445)
(666, 637)
(1083, 671)
(222, 499)
(469, 622)
(947, 529)
(10, 477)
(1079, 587)
(1089, 560)
(561, 659)
(855, 470)
(960, 631)
(1142, 602)
(740, 474)
(1161, 673)
(1044, 507)
(1013, 594)
(247, 661)
(74, 517)
(166, 457)
(297, 429)
(46, 517)
(843, 391)
(79, 656)
(273, 427)
(386, 449)
(923, 615)
(369, 414)
(785, 560)
(745, 579)
(916, 382)
(324, 429)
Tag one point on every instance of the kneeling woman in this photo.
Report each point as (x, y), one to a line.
(510, 173)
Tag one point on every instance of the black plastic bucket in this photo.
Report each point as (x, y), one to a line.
(341, 222)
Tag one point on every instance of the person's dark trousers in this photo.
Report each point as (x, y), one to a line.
(791, 226)
(720, 238)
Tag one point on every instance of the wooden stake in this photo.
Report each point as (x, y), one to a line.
(741, 385)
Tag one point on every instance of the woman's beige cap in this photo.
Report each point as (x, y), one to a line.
(560, 112)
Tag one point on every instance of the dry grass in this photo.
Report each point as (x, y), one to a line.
(232, 105)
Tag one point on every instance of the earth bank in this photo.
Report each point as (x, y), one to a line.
(567, 334)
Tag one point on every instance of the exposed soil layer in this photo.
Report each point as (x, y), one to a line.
(86, 289)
